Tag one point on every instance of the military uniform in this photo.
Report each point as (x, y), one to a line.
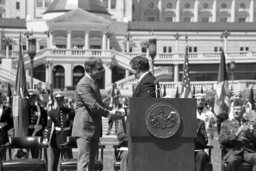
(201, 141)
(36, 125)
(62, 120)
(240, 148)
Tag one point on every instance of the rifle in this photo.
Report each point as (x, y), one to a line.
(36, 129)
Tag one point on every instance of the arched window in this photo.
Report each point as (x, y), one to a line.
(78, 73)
(58, 77)
(151, 15)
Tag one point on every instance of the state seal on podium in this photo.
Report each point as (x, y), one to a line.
(162, 120)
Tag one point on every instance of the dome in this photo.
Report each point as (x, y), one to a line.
(92, 6)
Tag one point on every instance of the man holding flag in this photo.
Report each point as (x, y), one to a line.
(221, 106)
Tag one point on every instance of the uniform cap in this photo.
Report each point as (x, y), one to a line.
(32, 92)
(59, 96)
(200, 95)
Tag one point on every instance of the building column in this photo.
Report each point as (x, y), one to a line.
(251, 11)
(126, 73)
(68, 75)
(108, 75)
(104, 41)
(176, 73)
(160, 10)
(68, 39)
(214, 11)
(109, 4)
(50, 40)
(86, 40)
(233, 11)
(178, 11)
(196, 11)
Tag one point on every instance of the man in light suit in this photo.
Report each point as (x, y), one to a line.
(145, 88)
(87, 124)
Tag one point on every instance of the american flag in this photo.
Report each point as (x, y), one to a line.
(185, 91)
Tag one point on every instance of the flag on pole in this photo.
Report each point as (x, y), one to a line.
(221, 107)
(185, 91)
(20, 109)
(251, 98)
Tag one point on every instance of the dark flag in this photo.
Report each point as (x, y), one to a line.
(9, 95)
(185, 91)
(251, 98)
(177, 92)
(221, 106)
(20, 110)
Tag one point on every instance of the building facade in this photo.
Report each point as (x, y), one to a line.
(117, 30)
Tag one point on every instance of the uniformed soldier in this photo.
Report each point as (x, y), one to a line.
(37, 118)
(6, 123)
(61, 117)
(239, 138)
(204, 114)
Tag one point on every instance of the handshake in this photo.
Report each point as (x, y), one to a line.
(114, 115)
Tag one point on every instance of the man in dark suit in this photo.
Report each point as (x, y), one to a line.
(6, 122)
(146, 86)
(62, 118)
(87, 124)
(239, 138)
(201, 141)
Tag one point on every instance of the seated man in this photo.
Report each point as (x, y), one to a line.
(201, 156)
(239, 138)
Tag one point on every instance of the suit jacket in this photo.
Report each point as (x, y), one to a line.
(146, 87)
(201, 139)
(236, 145)
(89, 110)
(8, 120)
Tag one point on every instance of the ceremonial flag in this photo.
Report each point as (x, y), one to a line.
(185, 91)
(251, 98)
(221, 106)
(177, 92)
(20, 110)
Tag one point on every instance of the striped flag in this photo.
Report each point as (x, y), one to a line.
(221, 107)
(20, 109)
(185, 91)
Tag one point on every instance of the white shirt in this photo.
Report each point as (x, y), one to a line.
(143, 75)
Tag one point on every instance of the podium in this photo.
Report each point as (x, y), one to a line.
(161, 134)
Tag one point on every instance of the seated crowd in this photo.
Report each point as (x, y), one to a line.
(237, 133)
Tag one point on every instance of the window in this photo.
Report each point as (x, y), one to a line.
(133, 8)
(244, 49)
(17, 5)
(24, 47)
(242, 5)
(192, 49)
(223, 5)
(169, 19)
(169, 5)
(47, 3)
(223, 19)
(187, 5)
(167, 49)
(41, 47)
(205, 5)
(113, 4)
(39, 3)
(241, 20)
(151, 18)
(187, 19)
(217, 49)
(205, 20)
(144, 49)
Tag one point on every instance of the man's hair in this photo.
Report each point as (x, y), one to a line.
(139, 63)
(238, 102)
(91, 63)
